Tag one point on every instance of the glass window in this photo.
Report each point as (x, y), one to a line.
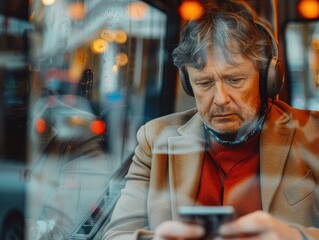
(14, 94)
(94, 64)
(302, 52)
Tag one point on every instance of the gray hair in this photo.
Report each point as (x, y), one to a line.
(231, 28)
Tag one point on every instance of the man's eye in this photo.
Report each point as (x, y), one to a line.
(235, 81)
(205, 83)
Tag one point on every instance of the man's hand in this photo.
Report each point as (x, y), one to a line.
(258, 225)
(173, 230)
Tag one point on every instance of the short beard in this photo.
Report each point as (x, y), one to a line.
(248, 129)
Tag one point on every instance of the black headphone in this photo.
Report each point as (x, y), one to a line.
(272, 77)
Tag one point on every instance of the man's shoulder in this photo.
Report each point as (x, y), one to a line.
(178, 118)
(303, 116)
(169, 123)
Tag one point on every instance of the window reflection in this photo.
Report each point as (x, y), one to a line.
(92, 62)
(302, 51)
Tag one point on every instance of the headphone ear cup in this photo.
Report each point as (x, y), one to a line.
(274, 77)
(183, 74)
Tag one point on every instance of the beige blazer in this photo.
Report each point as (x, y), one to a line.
(166, 169)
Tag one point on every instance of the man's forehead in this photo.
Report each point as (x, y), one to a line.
(217, 63)
(224, 57)
(217, 59)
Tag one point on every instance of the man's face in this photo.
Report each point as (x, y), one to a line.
(227, 95)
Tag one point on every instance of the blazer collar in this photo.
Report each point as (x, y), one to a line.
(185, 162)
(275, 143)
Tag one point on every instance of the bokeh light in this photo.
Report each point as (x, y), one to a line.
(97, 127)
(76, 10)
(137, 10)
(99, 46)
(120, 36)
(309, 8)
(115, 68)
(48, 2)
(121, 59)
(40, 125)
(190, 9)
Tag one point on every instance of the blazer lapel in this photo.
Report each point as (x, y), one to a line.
(275, 143)
(185, 162)
(186, 157)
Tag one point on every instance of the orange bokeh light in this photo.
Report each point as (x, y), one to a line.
(137, 10)
(120, 36)
(40, 125)
(99, 46)
(121, 59)
(190, 9)
(309, 8)
(76, 10)
(97, 127)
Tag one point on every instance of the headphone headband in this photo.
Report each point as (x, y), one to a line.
(274, 42)
(274, 79)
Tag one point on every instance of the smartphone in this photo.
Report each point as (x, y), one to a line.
(209, 217)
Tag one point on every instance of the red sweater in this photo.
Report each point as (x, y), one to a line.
(230, 177)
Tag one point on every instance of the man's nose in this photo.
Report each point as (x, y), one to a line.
(221, 94)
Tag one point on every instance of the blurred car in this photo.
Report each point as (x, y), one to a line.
(68, 116)
(68, 167)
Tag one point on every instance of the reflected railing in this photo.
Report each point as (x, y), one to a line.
(102, 210)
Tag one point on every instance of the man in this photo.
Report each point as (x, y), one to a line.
(239, 147)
